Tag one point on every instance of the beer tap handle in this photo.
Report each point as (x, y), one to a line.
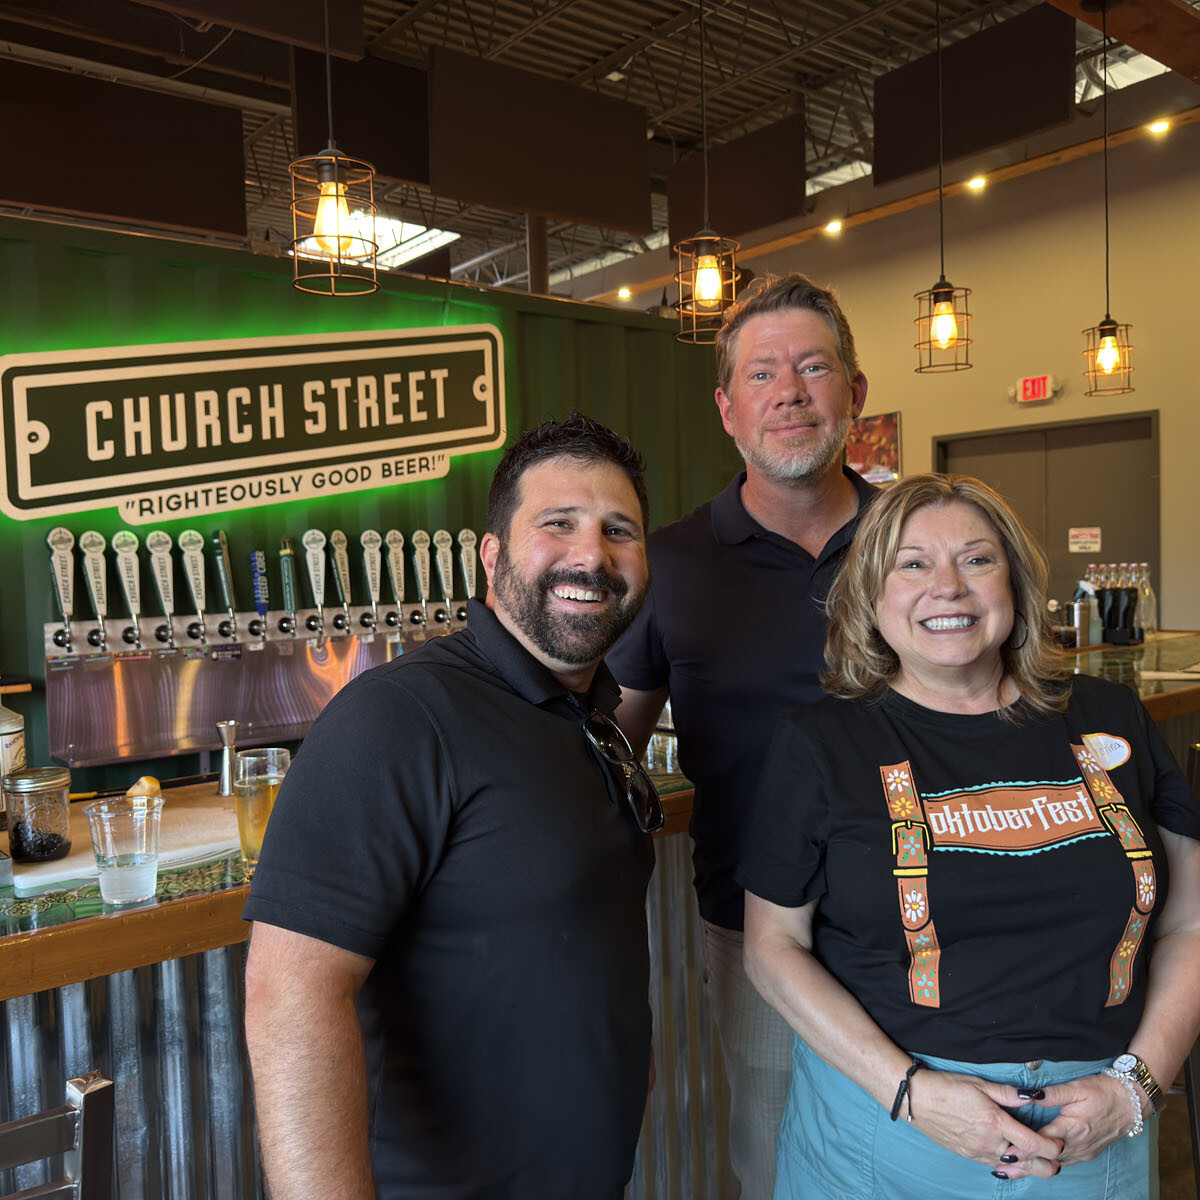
(287, 573)
(262, 592)
(444, 545)
(125, 547)
(394, 540)
(62, 569)
(313, 542)
(420, 547)
(191, 546)
(468, 558)
(95, 575)
(372, 545)
(220, 544)
(162, 568)
(339, 560)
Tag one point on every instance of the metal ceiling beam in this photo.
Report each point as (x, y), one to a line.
(787, 56)
(1167, 31)
(543, 18)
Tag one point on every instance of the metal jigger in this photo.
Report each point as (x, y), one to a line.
(228, 732)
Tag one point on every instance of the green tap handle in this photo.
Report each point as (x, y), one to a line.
(287, 569)
(224, 569)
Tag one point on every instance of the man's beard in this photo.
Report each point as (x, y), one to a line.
(797, 464)
(575, 638)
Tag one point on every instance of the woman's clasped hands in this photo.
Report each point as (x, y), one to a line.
(970, 1117)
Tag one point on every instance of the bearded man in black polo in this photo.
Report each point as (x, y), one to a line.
(446, 991)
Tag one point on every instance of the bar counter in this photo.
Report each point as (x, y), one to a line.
(153, 994)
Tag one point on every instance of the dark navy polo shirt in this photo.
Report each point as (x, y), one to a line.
(447, 817)
(734, 626)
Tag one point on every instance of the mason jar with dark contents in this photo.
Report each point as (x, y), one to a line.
(39, 813)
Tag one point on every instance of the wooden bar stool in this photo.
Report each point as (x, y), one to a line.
(81, 1130)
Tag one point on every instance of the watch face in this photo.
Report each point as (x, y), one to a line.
(1124, 1063)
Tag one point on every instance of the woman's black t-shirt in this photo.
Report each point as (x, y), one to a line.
(987, 890)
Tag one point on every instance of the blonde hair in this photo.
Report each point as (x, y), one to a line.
(860, 663)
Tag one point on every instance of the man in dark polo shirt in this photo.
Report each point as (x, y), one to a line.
(446, 991)
(733, 630)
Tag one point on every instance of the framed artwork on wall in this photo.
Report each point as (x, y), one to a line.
(873, 447)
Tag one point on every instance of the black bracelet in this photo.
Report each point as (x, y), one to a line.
(903, 1090)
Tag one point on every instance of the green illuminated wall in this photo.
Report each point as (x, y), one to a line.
(62, 288)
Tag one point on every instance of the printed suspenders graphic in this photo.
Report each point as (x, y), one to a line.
(1110, 804)
(910, 842)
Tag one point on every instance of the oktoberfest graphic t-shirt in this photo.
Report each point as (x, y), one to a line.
(986, 890)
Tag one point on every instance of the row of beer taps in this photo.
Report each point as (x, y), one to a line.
(381, 555)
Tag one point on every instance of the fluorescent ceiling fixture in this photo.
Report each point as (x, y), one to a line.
(1122, 73)
(399, 241)
(838, 175)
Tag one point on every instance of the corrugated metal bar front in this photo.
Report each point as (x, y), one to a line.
(170, 1037)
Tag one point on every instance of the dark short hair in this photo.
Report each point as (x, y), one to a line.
(775, 293)
(575, 437)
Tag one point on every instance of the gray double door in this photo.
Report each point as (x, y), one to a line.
(1077, 475)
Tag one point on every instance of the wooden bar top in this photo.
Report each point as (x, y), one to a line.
(68, 936)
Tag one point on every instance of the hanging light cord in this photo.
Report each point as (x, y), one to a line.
(1104, 34)
(703, 117)
(328, 78)
(941, 218)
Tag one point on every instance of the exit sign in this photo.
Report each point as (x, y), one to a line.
(1033, 388)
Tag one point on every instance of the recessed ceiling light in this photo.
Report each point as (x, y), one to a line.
(976, 183)
(1159, 126)
(834, 226)
(624, 293)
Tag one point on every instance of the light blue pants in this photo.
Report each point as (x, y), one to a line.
(838, 1143)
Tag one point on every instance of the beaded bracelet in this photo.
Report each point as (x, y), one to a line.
(903, 1090)
(1135, 1099)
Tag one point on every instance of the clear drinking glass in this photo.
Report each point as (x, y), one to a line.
(256, 784)
(125, 842)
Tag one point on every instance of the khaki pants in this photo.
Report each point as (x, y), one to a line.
(756, 1043)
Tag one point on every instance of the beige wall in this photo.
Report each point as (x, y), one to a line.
(1032, 251)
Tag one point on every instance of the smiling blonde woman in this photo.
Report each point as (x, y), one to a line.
(957, 884)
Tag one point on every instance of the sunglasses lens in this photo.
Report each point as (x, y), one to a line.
(639, 791)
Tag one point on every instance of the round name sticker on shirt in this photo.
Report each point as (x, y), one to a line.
(1109, 750)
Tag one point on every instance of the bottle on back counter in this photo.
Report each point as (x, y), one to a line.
(1147, 600)
(12, 750)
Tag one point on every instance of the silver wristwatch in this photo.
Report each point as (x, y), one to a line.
(1132, 1067)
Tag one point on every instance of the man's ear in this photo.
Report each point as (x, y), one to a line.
(858, 390)
(725, 408)
(489, 550)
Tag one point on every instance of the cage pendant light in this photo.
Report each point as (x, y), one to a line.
(706, 269)
(1107, 350)
(943, 317)
(333, 215)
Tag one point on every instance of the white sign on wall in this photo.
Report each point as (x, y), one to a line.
(1083, 539)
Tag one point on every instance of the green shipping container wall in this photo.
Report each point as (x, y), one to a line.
(65, 289)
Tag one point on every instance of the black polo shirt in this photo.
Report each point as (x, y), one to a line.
(734, 627)
(447, 817)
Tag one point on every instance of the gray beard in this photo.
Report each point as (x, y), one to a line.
(798, 466)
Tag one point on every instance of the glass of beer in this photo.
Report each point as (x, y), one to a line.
(256, 784)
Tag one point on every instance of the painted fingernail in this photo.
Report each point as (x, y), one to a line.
(1009, 1158)
(999, 1174)
(1031, 1093)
